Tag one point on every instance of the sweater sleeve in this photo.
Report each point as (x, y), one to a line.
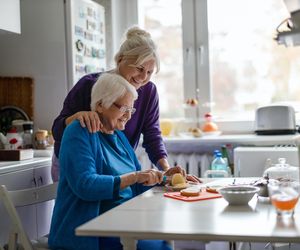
(81, 165)
(137, 188)
(152, 139)
(78, 99)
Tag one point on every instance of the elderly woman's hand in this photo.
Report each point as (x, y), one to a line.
(89, 119)
(149, 177)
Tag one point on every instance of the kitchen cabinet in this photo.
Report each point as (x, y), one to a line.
(10, 16)
(25, 174)
(44, 210)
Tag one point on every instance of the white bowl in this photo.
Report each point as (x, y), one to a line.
(238, 195)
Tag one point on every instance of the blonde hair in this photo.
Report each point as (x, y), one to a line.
(138, 44)
(108, 88)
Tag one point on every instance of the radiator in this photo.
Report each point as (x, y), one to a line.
(194, 163)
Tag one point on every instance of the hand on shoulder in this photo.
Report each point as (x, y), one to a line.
(89, 119)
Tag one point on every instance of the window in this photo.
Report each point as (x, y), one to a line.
(247, 67)
(228, 54)
(162, 19)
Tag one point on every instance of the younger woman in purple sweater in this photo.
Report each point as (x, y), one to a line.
(136, 61)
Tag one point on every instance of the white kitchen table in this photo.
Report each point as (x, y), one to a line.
(153, 216)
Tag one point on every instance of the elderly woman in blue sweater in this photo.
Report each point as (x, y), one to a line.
(99, 170)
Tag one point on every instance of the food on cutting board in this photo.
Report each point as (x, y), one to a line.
(213, 189)
(191, 191)
(178, 181)
(209, 125)
(192, 102)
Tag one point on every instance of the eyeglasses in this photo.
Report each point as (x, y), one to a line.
(125, 109)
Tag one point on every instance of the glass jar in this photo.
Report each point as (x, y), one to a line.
(41, 141)
(28, 135)
(282, 171)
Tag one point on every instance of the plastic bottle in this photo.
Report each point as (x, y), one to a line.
(219, 167)
(219, 163)
(215, 153)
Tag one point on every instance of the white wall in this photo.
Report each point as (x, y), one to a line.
(10, 15)
(39, 52)
(124, 15)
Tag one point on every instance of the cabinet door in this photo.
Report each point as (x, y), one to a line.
(18, 180)
(42, 174)
(44, 211)
(10, 16)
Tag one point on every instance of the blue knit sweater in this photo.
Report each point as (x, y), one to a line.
(89, 183)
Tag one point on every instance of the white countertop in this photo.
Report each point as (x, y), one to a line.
(238, 138)
(10, 166)
(192, 143)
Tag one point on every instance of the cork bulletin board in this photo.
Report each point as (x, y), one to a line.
(19, 92)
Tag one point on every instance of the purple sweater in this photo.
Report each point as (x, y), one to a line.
(144, 121)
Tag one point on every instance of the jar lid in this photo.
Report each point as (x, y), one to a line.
(28, 126)
(282, 170)
(17, 122)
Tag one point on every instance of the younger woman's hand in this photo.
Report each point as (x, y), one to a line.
(193, 178)
(89, 119)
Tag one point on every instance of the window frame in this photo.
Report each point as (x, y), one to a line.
(196, 73)
(196, 55)
(196, 42)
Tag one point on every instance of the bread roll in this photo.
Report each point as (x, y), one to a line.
(193, 191)
(177, 179)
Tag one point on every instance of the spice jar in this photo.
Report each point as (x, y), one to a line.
(41, 141)
(28, 134)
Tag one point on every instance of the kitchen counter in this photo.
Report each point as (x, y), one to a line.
(188, 144)
(17, 175)
(11, 166)
(206, 220)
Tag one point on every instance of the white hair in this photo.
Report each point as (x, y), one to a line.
(139, 45)
(108, 88)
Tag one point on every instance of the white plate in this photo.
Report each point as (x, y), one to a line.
(215, 133)
(186, 134)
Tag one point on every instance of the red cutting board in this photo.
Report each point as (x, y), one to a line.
(203, 196)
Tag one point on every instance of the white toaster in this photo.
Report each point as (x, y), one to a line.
(275, 120)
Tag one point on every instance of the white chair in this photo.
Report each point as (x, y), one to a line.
(20, 198)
